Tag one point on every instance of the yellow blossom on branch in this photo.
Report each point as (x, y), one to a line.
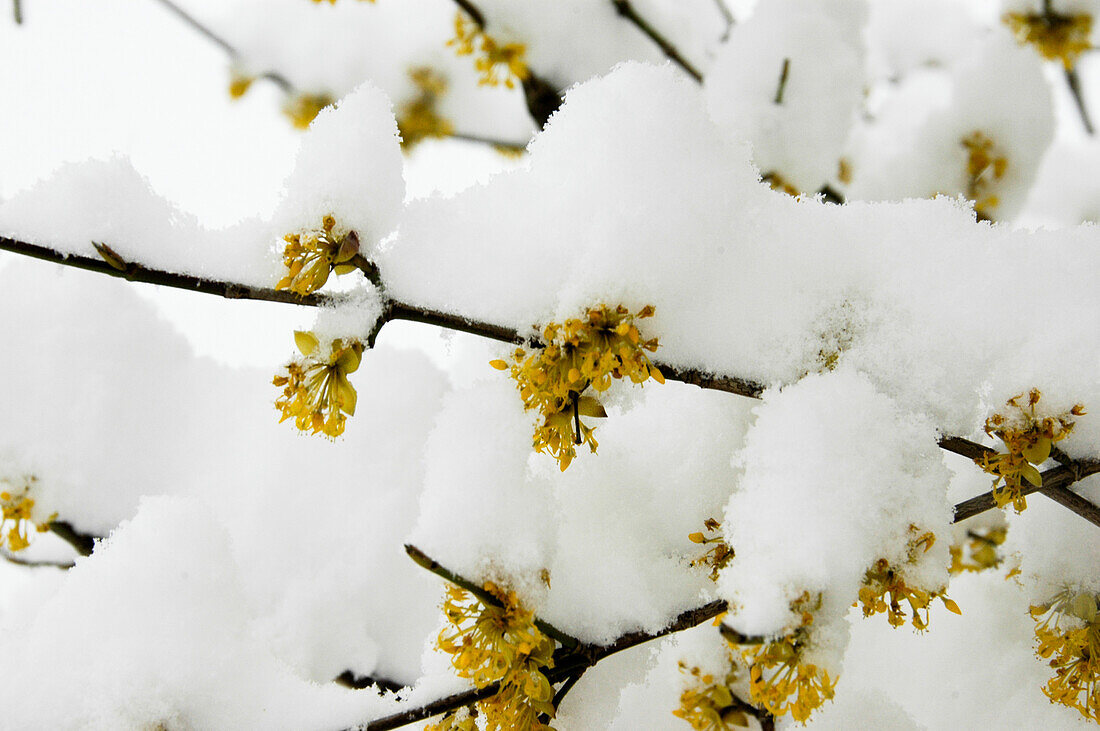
(979, 552)
(310, 256)
(709, 704)
(489, 643)
(1068, 632)
(316, 390)
(884, 588)
(418, 118)
(1029, 439)
(718, 555)
(603, 345)
(496, 62)
(18, 517)
(1055, 36)
(985, 166)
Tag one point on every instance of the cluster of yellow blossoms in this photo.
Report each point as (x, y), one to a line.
(17, 511)
(579, 353)
(310, 256)
(1029, 439)
(491, 643)
(718, 555)
(884, 589)
(1068, 631)
(1056, 36)
(979, 552)
(495, 62)
(316, 390)
(418, 118)
(708, 704)
(779, 678)
(985, 165)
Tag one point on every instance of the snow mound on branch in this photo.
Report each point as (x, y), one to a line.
(835, 477)
(155, 630)
(350, 166)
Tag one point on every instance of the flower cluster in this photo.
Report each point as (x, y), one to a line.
(985, 165)
(316, 390)
(492, 56)
(18, 510)
(1068, 631)
(310, 256)
(709, 705)
(979, 552)
(718, 555)
(1055, 36)
(499, 642)
(303, 108)
(418, 118)
(780, 679)
(884, 589)
(1029, 439)
(579, 353)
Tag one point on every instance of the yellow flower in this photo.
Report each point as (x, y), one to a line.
(490, 643)
(577, 354)
(886, 580)
(718, 555)
(1055, 36)
(18, 517)
(981, 549)
(709, 705)
(310, 256)
(985, 165)
(495, 61)
(316, 390)
(1069, 636)
(303, 108)
(1029, 439)
(419, 119)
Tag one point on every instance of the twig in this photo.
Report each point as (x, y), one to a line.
(348, 679)
(427, 562)
(566, 687)
(733, 636)
(17, 9)
(1053, 480)
(512, 146)
(1076, 503)
(1074, 84)
(82, 542)
(626, 10)
(225, 45)
(36, 564)
(784, 72)
(727, 15)
(570, 663)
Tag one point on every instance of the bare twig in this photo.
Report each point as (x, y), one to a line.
(782, 87)
(501, 144)
(427, 562)
(36, 564)
(626, 10)
(1074, 84)
(727, 15)
(348, 679)
(566, 687)
(82, 542)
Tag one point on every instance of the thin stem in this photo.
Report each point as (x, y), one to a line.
(348, 679)
(565, 688)
(17, 9)
(626, 10)
(727, 15)
(511, 146)
(427, 562)
(1074, 84)
(783, 73)
(82, 542)
(36, 564)
(225, 45)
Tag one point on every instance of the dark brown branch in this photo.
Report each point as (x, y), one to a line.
(566, 687)
(1078, 504)
(427, 562)
(472, 10)
(569, 664)
(1074, 84)
(1054, 480)
(225, 45)
(82, 542)
(626, 10)
(137, 273)
(348, 679)
(965, 447)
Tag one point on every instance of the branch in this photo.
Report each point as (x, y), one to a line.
(566, 687)
(1074, 84)
(17, 9)
(213, 37)
(570, 663)
(348, 679)
(36, 564)
(782, 87)
(82, 542)
(427, 562)
(1054, 484)
(510, 146)
(626, 10)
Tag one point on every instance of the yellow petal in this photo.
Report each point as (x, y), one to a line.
(349, 360)
(500, 365)
(1039, 452)
(588, 406)
(306, 342)
(1032, 475)
(347, 395)
(951, 606)
(344, 268)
